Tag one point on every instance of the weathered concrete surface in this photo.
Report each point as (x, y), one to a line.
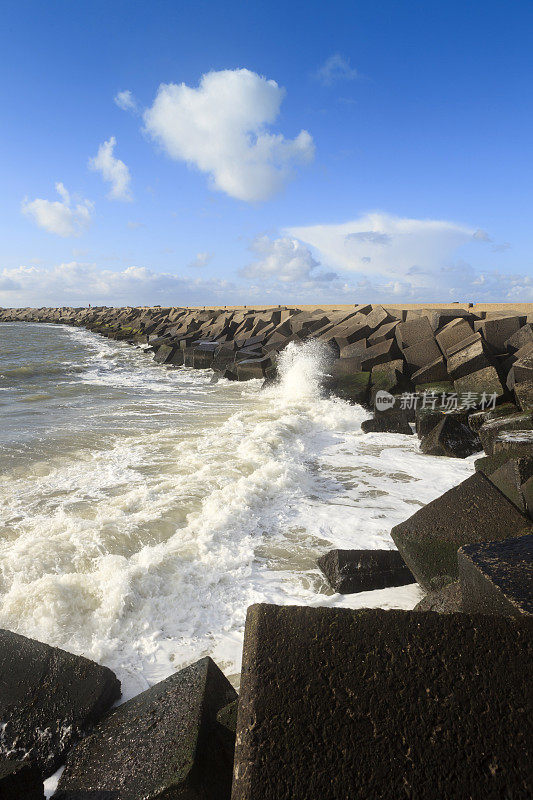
(20, 780)
(49, 699)
(164, 743)
(349, 571)
(497, 577)
(345, 705)
(473, 511)
(446, 600)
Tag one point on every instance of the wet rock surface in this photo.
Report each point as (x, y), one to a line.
(473, 511)
(497, 577)
(49, 699)
(349, 571)
(163, 743)
(338, 703)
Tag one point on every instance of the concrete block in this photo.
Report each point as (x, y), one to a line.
(349, 571)
(473, 511)
(497, 577)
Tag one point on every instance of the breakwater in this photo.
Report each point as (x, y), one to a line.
(451, 418)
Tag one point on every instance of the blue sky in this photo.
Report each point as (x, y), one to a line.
(163, 152)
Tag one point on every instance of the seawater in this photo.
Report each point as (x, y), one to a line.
(144, 508)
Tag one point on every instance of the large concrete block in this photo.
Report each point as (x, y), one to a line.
(489, 431)
(497, 577)
(521, 337)
(164, 743)
(473, 511)
(510, 476)
(468, 359)
(354, 388)
(434, 372)
(450, 437)
(446, 600)
(339, 704)
(484, 382)
(413, 331)
(453, 333)
(421, 354)
(523, 393)
(349, 571)
(385, 331)
(379, 354)
(48, 700)
(497, 331)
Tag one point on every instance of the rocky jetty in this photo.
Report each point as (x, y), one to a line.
(334, 703)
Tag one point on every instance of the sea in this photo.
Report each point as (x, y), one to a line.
(143, 508)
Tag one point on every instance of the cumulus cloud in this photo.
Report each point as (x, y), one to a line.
(285, 260)
(113, 170)
(221, 127)
(336, 68)
(201, 259)
(396, 247)
(62, 217)
(126, 101)
(76, 283)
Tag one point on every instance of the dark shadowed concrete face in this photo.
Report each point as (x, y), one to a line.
(19, 780)
(48, 700)
(474, 511)
(350, 571)
(497, 577)
(164, 743)
(351, 705)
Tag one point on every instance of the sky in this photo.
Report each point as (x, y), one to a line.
(215, 153)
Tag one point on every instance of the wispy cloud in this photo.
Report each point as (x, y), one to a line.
(334, 69)
(126, 101)
(221, 127)
(112, 170)
(201, 260)
(63, 217)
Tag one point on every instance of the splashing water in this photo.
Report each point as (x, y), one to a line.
(143, 509)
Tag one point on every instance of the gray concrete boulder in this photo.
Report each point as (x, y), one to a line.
(338, 704)
(451, 438)
(413, 331)
(523, 393)
(391, 420)
(253, 368)
(468, 359)
(519, 338)
(164, 353)
(497, 577)
(453, 334)
(421, 354)
(379, 354)
(349, 571)
(163, 743)
(509, 478)
(20, 780)
(446, 600)
(478, 418)
(518, 442)
(483, 383)
(49, 699)
(354, 387)
(497, 331)
(385, 331)
(489, 431)
(430, 373)
(474, 511)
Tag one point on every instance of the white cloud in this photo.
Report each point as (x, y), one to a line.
(62, 217)
(113, 170)
(285, 260)
(221, 128)
(76, 284)
(395, 247)
(201, 259)
(134, 226)
(336, 68)
(126, 101)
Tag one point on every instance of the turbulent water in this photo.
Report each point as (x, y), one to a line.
(143, 508)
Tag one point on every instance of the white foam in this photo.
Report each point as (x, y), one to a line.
(143, 547)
